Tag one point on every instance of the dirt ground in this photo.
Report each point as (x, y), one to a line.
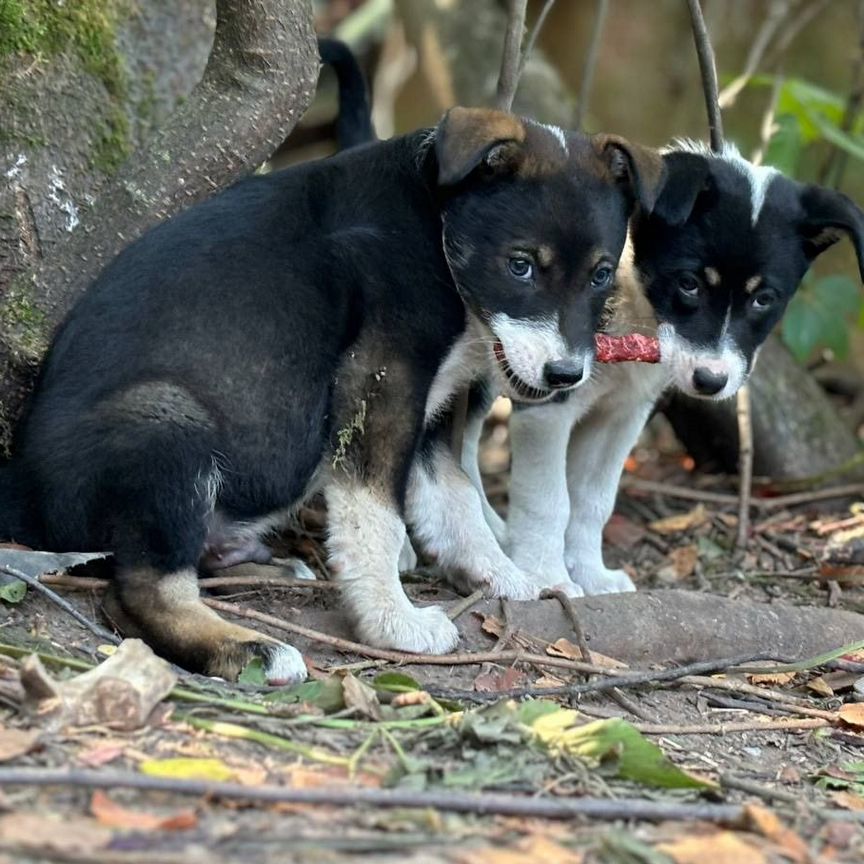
(787, 744)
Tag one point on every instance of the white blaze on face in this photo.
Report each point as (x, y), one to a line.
(530, 344)
(682, 359)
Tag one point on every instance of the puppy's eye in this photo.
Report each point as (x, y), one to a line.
(602, 277)
(688, 285)
(763, 301)
(521, 267)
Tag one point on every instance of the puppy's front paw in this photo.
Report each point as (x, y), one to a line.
(284, 664)
(601, 580)
(425, 630)
(503, 579)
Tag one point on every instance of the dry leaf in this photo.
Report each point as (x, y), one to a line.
(820, 686)
(767, 823)
(492, 625)
(848, 801)
(16, 742)
(622, 532)
(495, 682)
(771, 678)
(681, 521)
(112, 815)
(549, 681)
(361, 697)
(790, 774)
(46, 832)
(530, 850)
(720, 847)
(414, 697)
(852, 713)
(684, 560)
(565, 648)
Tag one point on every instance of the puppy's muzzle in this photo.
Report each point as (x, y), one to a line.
(561, 374)
(708, 382)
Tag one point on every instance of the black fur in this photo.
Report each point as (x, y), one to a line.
(354, 123)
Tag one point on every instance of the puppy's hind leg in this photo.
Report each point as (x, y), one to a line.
(165, 610)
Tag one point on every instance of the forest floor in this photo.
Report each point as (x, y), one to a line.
(759, 766)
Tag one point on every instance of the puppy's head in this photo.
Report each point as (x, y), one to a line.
(722, 253)
(534, 221)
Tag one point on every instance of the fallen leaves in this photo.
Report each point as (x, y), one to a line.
(16, 742)
(681, 522)
(852, 713)
(529, 850)
(565, 648)
(716, 847)
(112, 815)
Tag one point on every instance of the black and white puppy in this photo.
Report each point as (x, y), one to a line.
(300, 331)
(710, 271)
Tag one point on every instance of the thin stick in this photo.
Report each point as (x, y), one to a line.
(590, 65)
(535, 32)
(65, 605)
(605, 683)
(454, 802)
(508, 77)
(745, 465)
(791, 725)
(730, 781)
(850, 490)
(464, 604)
(88, 583)
(572, 617)
(708, 70)
(682, 492)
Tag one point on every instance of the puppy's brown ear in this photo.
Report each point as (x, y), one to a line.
(828, 216)
(469, 137)
(639, 168)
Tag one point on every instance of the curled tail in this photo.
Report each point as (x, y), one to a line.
(354, 124)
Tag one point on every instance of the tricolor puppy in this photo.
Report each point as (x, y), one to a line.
(710, 271)
(301, 331)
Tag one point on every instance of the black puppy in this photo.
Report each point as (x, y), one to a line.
(299, 331)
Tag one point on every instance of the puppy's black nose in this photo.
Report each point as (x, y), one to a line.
(562, 373)
(708, 383)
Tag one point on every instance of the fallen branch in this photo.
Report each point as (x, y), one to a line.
(790, 725)
(508, 77)
(448, 801)
(65, 605)
(89, 583)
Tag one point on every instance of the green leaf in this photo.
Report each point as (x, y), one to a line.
(14, 591)
(253, 673)
(395, 682)
(326, 694)
(784, 148)
(818, 316)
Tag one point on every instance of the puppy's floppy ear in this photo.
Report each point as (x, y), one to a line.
(828, 216)
(468, 137)
(688, 175)
(639, 168)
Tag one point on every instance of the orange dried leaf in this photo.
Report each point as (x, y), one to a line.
(848, 801)
(720, 847)
(113, 815)
(852, 713)
(565, 648)
(530, 850)
(820, 686)
(767, 823)
(681, 521)
(771, 678)
(16, 742)
(684, 560)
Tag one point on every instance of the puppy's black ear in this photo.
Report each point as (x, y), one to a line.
(828, 216)
(688, 175)
(468, 137)
(638, 168)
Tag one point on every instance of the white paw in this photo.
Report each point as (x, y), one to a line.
(285, 666)
(601, 580)
(407, 557)
(502, 579)
(425, 630)
(300, 570)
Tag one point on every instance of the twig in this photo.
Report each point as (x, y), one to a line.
(507, 632)
(65, 605)
(464, 604)
(735, 685)
(777, 13)
(708, 70)
(730, 781)
(508, 77)
(685, 493)
(454, 802)
(606, 683)
(745, 465)
(789, 725)
(572, 617)
(589, 66)
(89, 583)
(535, 32)
(850, 490)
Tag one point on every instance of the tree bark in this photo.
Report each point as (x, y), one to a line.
(259, 78)
(796, 430)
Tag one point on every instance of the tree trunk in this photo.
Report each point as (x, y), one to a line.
(796, 430)
(258, 80)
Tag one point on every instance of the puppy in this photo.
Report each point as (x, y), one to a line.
(301, 331)
(710, 271)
